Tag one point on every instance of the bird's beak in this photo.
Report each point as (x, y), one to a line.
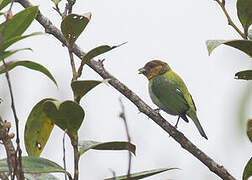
(141, 71)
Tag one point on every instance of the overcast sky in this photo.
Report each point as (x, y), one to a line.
(172, 31)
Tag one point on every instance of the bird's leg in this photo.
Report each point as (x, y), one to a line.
(176, 125)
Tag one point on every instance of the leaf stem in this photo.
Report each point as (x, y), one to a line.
(74, 142)
(230, 22)
(64, 154)
(75, 75)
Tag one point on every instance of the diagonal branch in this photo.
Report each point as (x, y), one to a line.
(139, 103)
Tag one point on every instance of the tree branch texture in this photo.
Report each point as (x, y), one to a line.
(139, 103)
(9, 148)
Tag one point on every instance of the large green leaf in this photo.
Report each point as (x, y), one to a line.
(247, 172)
(19, 23)
(30, 65)
(249, 129)
(80, 88)
(4, 3)
(243, 45)
(38, 128)
(97, 51)
(68, 115)
(247, 75)
(35, 165)
(40, 177)
(141, 175)
(73, 25)
(12, 40)
(244, 11)
(6, 54)
(84, 146)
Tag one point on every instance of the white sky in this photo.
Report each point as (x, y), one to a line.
(174, 32)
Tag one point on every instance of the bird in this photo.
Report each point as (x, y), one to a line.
(168, 91)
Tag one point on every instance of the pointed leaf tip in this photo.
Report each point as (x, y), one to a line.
(245, 75)
(84, 146)
(98, 51)
(141, 175)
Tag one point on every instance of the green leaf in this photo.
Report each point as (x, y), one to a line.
(19, 23)
(73, 25)
(56, 2)
(38, 128)
(80, 88)
(68, 115)
(247, 75)
(84, 146)
(249, 129)
(4, 3)
(30, 65)
(243, 45)
(35, 165)
(98, 51)
(244, 11)
(12, 40)
(141, 175)
(250, 34)
(6, 54)
(247, 172)
(40, 177)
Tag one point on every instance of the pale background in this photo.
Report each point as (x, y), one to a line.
(173, 31)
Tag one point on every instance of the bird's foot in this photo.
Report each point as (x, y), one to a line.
(157, 110)
(176, 125)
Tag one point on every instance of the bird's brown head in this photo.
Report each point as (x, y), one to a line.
(154, 68)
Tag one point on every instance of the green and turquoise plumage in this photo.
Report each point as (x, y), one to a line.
(169, 92)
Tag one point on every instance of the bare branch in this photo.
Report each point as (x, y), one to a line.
(140, 104)
(123, 116)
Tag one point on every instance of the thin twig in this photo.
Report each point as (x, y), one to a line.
(75, 75)
(123, 116)
(18, 165)
(139, 103)
(18, 169)
(70, 5)
(64, 154)
(230, 22)
(3, 176)
(56, 8)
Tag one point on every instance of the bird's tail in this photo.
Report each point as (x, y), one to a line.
(195, 119)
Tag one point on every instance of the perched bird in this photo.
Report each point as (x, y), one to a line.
(169, 92)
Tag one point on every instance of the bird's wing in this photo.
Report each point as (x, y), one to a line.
(169, 95)
(193, 102)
